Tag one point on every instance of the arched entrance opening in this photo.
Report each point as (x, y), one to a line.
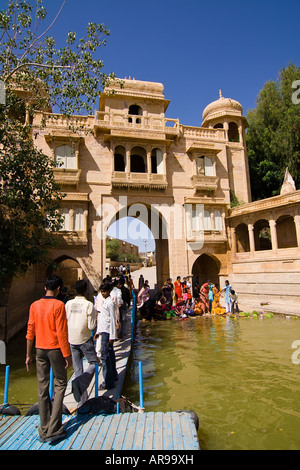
(286, 232)
(206, 268)
(140, 225)
(262, 235)
(68, 269)
(242, 238)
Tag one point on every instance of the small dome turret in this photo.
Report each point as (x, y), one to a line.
(221, 107)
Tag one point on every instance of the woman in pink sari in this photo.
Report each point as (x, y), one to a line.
(143, 295)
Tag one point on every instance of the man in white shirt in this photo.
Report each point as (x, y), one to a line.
(107, 329)
(116, 295)
(81, 317)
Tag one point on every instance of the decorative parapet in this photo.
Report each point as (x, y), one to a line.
(138, 180)
(60, 122)
(204, 133)
(114, 121)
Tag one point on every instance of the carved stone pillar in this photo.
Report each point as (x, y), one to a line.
(148, 163)
(226, 127)
(127, 161)
(273, 231)
(251, 238)
(212, 220)
(165, 163)
(85, 214)
(71, 216)
(297, 226)
(233, 243)
(241, 137)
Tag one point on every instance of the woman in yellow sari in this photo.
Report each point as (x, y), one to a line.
(216, 306)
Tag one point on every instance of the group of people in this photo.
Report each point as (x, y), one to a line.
(208, 298)
(181, 299)
(121, 270)
(64, 333)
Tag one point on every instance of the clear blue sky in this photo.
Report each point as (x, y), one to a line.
(193, 47)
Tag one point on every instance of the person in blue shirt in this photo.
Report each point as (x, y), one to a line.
(210, 296)
(227, 290)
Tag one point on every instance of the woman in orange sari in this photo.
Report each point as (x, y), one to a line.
(203, 297)
(178, 289)
(216, 306)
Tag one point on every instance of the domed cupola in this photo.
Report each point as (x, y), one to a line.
(227, 114)
(221, 107)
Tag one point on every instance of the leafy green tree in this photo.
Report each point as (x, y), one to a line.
(113, 249)
(273, 136)
(37, 76)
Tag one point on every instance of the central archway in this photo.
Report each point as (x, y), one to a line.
(145, 215)
(206, 268)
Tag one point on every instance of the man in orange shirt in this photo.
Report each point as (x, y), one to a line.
(48, 325)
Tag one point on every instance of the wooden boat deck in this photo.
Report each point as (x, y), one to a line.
(123, 431)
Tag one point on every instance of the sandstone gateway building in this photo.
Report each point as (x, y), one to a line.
(129, 159)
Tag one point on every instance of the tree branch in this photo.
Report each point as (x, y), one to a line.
(46, 30)
(35, 64)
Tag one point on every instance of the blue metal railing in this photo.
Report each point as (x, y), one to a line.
(141, 386)
(133, 312)
(5, 401)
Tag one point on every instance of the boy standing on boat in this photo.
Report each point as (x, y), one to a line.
(48, 325)
(106, 328)
(82, 319)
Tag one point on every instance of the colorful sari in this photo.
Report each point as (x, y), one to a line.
(178, 290)
(203, 297)
(143, 296)
(217, 309)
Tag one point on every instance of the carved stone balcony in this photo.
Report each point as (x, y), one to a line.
(67, 176)
(121, 179)
(205, 183)
(118, 124)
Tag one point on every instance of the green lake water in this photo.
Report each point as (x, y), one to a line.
(236, 374)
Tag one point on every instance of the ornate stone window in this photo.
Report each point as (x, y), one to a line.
(138, 160)
(66, 157)
(79, 219)
(218, 220)
(119, 158)
(157, 162)
(66, 225)
(205, 166)
(135, 110)
(233, 132)
(206, 220)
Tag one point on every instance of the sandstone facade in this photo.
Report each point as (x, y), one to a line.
(129, 159)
